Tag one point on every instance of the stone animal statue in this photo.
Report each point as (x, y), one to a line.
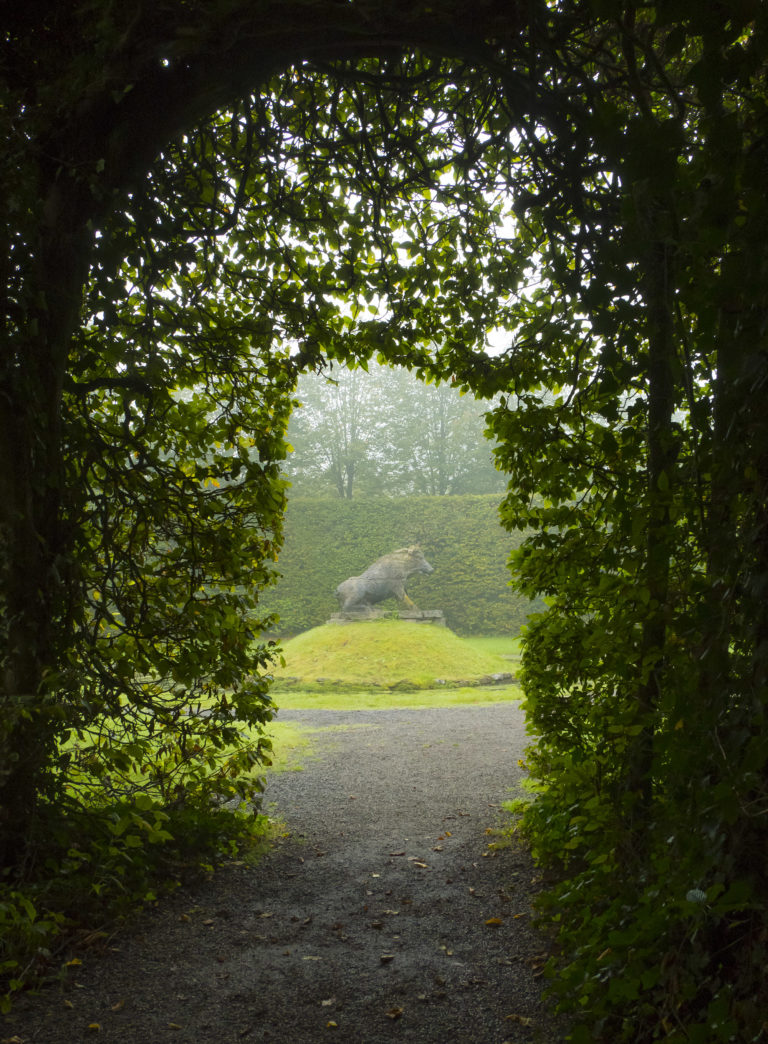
(384, 579)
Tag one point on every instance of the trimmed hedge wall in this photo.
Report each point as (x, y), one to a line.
(328, 540)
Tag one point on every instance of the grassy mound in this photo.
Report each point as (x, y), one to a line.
(388, 654)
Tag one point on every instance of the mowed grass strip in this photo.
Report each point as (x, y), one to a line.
(386, 699)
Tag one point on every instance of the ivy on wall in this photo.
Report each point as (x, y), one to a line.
(328, 540)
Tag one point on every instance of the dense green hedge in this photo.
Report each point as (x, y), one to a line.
(328, 540)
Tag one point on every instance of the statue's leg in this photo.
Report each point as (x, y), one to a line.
(402, 597)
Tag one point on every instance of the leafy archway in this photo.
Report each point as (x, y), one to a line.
(593, 185)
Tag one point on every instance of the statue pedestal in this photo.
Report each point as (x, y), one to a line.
(363, 612)
(431, 616)
(368, 612)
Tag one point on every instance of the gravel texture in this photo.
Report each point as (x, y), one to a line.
(381, 916)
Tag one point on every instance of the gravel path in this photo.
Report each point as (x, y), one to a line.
(382, 917)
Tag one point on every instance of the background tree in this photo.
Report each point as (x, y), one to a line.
(381, 430)
(437, 440)
(337, 434)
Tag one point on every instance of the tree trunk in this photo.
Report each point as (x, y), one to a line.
(653, 218)
(37, 553)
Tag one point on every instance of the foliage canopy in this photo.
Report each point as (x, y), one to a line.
(199, 203)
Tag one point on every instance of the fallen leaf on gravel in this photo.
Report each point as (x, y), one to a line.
(312, 958)
(67, 1004)
(494, 922)
(208, 922)
(424, 866)
(73, 963)
(522, 1019)
(392, 913)
(378, 925)
(397, 853)
(385, 958)
(94, 1027)
(331, 1025)
(173, 1025)
(375, 875)
(327, 1003)
(120, 1004)
(11, 1040)
(437, 848)
(394, 1013)
(92, 939)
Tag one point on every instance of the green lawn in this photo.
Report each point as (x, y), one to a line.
(496, 645)
(291, 742)
(348, 700)
(389, 654)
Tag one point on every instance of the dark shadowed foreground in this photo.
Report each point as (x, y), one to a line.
(383, 916)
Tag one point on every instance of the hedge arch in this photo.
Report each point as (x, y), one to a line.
(200, 202)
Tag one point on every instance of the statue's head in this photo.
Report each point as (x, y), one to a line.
(413, 559)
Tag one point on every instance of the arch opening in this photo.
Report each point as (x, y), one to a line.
(594, 187)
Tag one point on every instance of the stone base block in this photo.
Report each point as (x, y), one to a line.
(431, 616)
(365, 612)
